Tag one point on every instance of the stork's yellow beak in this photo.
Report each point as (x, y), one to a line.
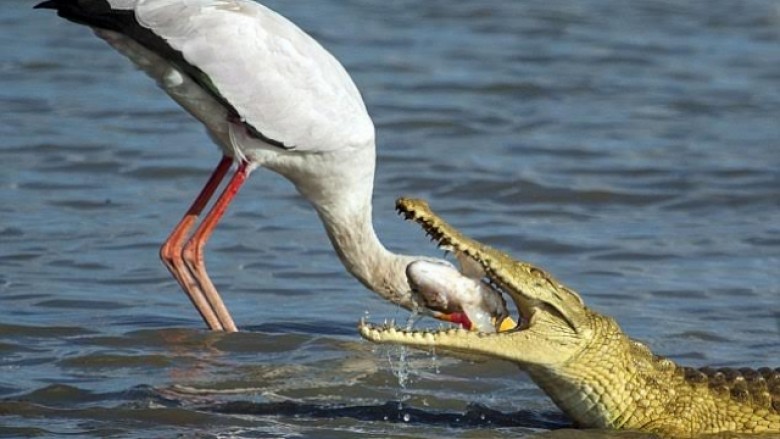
(460, 318)
(507, 324)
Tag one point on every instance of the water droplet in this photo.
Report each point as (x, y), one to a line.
(414, 317)
(435, 362)
(401, 368)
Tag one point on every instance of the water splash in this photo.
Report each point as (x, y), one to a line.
(400, 368)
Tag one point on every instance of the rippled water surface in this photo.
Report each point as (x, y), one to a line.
(631, 148)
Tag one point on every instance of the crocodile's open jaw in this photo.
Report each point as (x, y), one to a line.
(553, 324)
(449, 239)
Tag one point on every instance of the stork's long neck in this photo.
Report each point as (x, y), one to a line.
(357, 245)
(343, 202)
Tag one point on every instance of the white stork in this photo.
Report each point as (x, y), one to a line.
(270, 96)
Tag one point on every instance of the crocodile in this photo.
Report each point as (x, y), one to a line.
(584, 362)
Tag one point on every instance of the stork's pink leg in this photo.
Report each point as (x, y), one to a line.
(171, 250)
(193, 249)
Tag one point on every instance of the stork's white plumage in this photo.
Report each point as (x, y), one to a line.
(270, 96)
(277, 78)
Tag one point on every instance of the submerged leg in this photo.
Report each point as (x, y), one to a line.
(171, 250)
(193, 249)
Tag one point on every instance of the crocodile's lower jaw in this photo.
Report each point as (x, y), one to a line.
(394, 334)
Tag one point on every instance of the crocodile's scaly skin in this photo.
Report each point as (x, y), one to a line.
(586, 364)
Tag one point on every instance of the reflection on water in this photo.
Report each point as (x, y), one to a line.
(628, 147)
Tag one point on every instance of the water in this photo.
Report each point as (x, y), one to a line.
(631, 148)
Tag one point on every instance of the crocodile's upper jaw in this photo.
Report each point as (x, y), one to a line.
(553, 326)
